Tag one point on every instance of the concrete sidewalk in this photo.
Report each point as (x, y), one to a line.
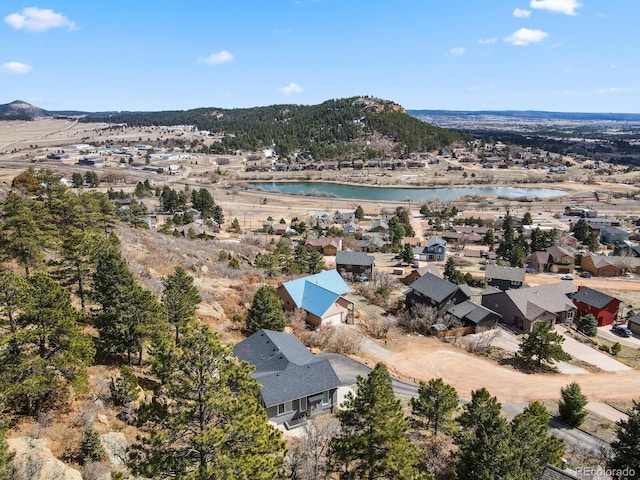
(589, 354)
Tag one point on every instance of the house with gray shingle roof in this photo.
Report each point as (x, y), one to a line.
(603, 307)
(354, 264)
(436, 292)
(524, 307)
(555, 473)
(471, 314)
(503, 278)
(293, 380)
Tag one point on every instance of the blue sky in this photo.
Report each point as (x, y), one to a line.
(557, 55)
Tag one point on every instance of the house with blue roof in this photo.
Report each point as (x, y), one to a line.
(293, 380)
(321, 295)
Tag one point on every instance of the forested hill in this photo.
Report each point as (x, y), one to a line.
(332, 128)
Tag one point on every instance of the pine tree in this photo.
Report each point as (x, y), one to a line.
(23, 237)
(373, 442)
(211, 425)
(527, 219)
(359, 213)
(47, 348)
(436, 402)
(518, 257)
(571, 406)
(485, 449)
(14, 292)
(626, 448)
(508, 237)
(129, 315)
(91, 446)
(6, 457)
(581, 230)
(265, 311)
(542, 344)
(406, 255)
(180, 298)
(124, 389)
(451, 271)
(489, 239)
(587, 324)
(533, 446)
(592, 242)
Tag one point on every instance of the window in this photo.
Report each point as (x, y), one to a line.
(285, 407)
(570, 314)
(515, 282)
(303, 404)
(325, 398)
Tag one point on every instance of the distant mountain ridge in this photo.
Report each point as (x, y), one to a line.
(529, 115)
(353, 127)
(19, 110)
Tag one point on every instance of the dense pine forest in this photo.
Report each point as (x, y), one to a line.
(329, 130)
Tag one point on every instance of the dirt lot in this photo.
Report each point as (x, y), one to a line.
(419, 358)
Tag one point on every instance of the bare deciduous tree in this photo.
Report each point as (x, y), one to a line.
(307, 458)
(418, 318)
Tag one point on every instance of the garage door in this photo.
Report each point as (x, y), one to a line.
(335, 319)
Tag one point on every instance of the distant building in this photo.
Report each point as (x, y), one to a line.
(503, 278)
(610, 235)
(91, 161)
(354, 263)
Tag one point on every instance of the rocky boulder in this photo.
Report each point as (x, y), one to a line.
(34, 461)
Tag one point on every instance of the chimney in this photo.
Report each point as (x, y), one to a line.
(563, 464)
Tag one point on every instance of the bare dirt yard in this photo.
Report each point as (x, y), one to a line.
(419, 358)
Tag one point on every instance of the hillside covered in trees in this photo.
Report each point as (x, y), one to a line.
(331, 129)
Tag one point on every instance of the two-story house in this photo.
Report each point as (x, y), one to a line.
(434, 251)
(603, 307)
(555, 260)
(524, 307)
(436, 292)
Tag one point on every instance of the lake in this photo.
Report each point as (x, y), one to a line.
(335, 190)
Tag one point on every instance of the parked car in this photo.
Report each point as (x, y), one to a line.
(567, 276)
(585, 274)
(622, 330)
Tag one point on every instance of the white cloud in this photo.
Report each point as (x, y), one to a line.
(488, 41)
(526, 36)
(291, 88)
(17, 68)
(220, 57)
(613, 90)
(568, 7)
(521, 13)
(613, 65)
(458, 51)
(38, 20)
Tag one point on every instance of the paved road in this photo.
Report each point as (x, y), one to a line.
(576, 437)
(348, 369)
(607, 334)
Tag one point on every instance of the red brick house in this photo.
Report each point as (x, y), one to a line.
(602, 306)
